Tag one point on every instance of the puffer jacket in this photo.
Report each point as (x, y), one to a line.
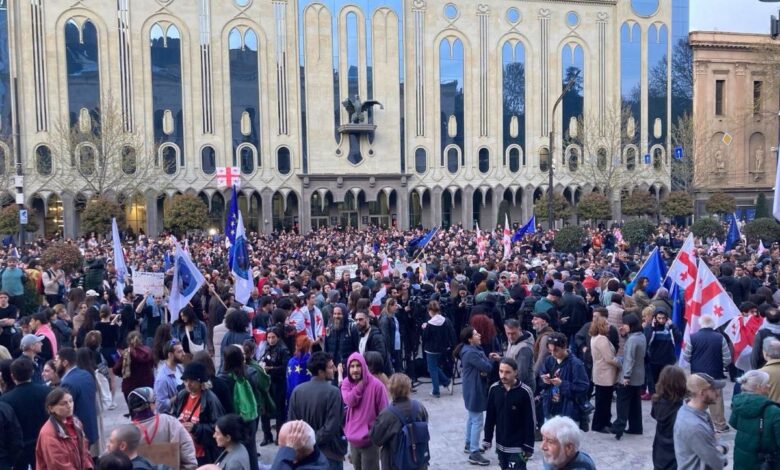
(746, 411)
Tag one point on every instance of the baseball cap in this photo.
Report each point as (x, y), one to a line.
(701, 381)
(29, 340)
(92, 293)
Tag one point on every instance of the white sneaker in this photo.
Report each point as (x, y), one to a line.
(451, 387)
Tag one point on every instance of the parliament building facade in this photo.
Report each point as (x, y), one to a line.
(466, 88)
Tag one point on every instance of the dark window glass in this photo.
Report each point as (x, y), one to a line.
(169, 159)
(657, 95)
(452, 160)
(420, 162)
(247, 160)
(129, 160)
(757, 96)
(544, 159)
(720, 86)
(514, 159)
(87, 159)
(43, 160)
(574, 159)
(283, 160)
(630, 81)
(631, 159)
(3, 162)
(601, 159)
(451, 73)
(165, 53)
(513, 59)
(573, 61)
(5, 75)
(484, 160)
(658, 158)
(208, 160)
(353, 63)
(244, 94)
(81, 57)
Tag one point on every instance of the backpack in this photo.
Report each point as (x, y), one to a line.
(244, 401)
(412, 452)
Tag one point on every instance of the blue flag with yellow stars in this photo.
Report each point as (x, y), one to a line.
(297, 373)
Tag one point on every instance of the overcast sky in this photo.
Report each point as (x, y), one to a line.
(743, 16)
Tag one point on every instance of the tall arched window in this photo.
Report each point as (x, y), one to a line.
(165, 50)
(573, 103)
(420, 161)
(544, 159)
(451, 95)
(631, 80)
(244, 96)
(514, 159)
(283, 160)
(129, 160)
(43, 160)
(631, 159)
(208, 160)
(169, 154)
(353, 61)
(513, 59)
(484, 160)
(86, 160)
(81, 58)
(452, 160)
(657, 80)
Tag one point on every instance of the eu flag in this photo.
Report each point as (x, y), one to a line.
(733, 237)
(529, 227)
(231, 224)
(678, 313)
(654, 270)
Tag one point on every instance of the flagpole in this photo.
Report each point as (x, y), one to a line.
(423, 247)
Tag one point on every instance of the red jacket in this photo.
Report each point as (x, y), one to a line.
(56, 450)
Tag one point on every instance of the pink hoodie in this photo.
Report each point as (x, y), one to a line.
(364, 400)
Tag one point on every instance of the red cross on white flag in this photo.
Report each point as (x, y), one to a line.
(683, 271)
(227, 176)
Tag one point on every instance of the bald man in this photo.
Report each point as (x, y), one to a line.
(298, 449)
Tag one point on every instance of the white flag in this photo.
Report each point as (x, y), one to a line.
(240, 269)
(119, 260)
(187, 279)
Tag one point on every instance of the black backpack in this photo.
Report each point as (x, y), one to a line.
(412, 452)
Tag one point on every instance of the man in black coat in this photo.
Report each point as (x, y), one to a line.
(368, 338)
(574, 312)
(27, 399)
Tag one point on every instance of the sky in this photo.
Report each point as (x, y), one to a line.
(741, 16)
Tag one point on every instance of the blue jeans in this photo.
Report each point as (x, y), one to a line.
(438, 378)
(474, 425)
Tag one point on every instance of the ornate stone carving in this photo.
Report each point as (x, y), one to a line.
(544, 13)
(418, 5)
(602, 16)
(483, 9)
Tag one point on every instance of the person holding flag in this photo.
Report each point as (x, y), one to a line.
(231, 225)
(239, 264)
(733, 236)
(507, 240)
(528, 227)
(187, 281)
(119, 260)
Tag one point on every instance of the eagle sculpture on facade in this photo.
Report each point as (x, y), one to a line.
(357, 109)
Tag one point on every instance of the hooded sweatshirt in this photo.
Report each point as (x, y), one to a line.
(364, 401)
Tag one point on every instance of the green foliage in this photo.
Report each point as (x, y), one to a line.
(9, 220)
(68, 254)
(186, 213)
(569, 239)
(637, 231)
(706, 227)
(677, 204)
(561, 207)
(766, 229)
(96, 216)
(721, 203)
(594, 206)
(762, 208)
(638, 203)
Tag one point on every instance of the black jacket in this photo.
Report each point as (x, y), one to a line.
(665, 413)
(376, 342)
(28, 400)
(574, 308)
(203, 432)
(320, 404)
(340, 343)
(386, 431)
(11, 444)
(511, 414)
(438, 338)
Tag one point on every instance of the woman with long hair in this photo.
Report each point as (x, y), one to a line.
(190, 331)
(476, 367)
(62, 444)
(438, 337)
(670, 391)
(275, 363)
(230, 435)
(605, 373)
(135, 365)
(490, 342)
(162, 336)
(234, 372)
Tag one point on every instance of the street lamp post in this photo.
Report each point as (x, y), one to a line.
(550, 211)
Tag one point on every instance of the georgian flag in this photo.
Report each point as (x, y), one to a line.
(683, 271)
(480, 244)
(742, 331)
(709, 298)
(507, 240)
(385, 268)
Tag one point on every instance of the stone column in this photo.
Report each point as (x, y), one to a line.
(70, 227)
(152, 215)
(436, 207)
(304, 211)
(467, 206)
(528, 204)
(402, 208)
(266, 202)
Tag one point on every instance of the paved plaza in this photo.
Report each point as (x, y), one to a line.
(447, 421)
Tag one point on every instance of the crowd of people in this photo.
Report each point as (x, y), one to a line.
(325, 365)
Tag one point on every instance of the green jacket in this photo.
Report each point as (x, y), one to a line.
(262, 382)
(745, 414)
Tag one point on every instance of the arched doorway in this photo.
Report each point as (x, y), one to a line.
(348, 213)
(285, 210)
(135, 214)
(53, 222)
(379, 210)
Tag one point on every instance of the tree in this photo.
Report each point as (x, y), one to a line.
(721, 203)
(682, 78)
(638, 203)
(96, 216)
(561, 207)
(767, 230)
(602, 165)
(67, 253)
(637, 231)
(186, 213)
(9, 220)
(677, 204)
(707, 227)
(569, 239)
(762, 208)
(94, 153)
(594, 206)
